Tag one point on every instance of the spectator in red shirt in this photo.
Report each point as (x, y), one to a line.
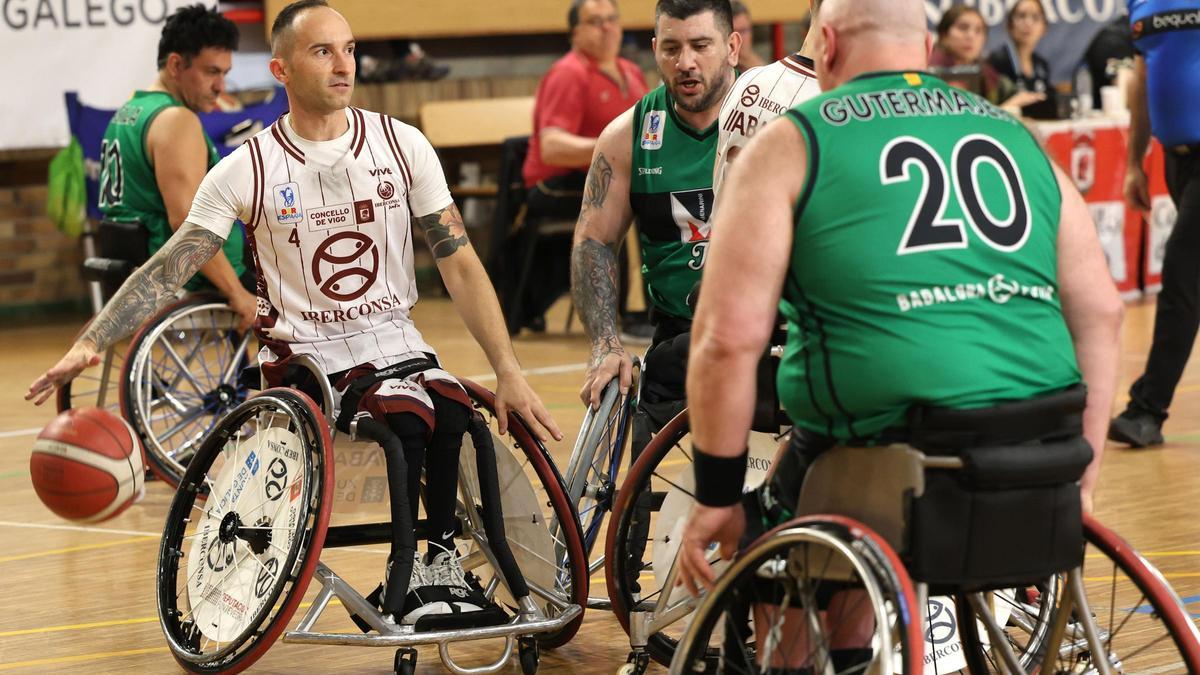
(581, 93)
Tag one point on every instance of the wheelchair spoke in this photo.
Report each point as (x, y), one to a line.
(231, 371)
(183, 369)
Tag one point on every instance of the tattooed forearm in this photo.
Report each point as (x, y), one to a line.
(599, 179)
(153, 284)
(594, 288)
(444, 231)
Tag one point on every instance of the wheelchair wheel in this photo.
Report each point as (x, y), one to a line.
(643, 534)
(820, 592)
(1141, 624)
(100, 387)
(534, 503)
(592, 471)
(244, 532)
(181, 377)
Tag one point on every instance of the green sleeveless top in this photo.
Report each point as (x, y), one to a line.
(671, 194)
(923, 267)
(128, 188)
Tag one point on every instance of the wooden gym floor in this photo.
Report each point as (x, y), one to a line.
(81, 598)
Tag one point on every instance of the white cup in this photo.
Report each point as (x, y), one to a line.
(1112, 102)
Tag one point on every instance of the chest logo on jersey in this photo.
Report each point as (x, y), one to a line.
(386, 190)
(691, 210)
(287, 203)
(652, 129)
(364, 212)
(345, 266)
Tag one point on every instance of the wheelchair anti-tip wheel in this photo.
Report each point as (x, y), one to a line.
(181, 377)
(535, 502)
(819, 592)
(244, 532)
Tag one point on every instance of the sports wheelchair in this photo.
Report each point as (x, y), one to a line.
(177, 375)
(246, 529)
(994, 529)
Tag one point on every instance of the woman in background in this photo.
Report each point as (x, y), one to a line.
(962, 35)
(1019, 62)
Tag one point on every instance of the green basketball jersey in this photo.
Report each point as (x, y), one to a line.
(128, 187)
(672, 197)
(923, 268)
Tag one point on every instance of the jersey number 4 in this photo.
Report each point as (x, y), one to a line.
(112, 178)
(928, 228)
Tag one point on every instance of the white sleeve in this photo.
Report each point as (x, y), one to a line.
(727, 138)
(224, 195)
(428, 192)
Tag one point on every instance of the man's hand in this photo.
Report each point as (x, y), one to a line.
(79, 357)
(246, 306)
(1137, 188)
(609, 360)
(513, 394)
(705, 525)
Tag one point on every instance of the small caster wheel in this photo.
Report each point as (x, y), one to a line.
(406, 661)
(636, 664)
(527, 650)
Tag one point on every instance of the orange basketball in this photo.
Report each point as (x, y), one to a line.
(87, 465)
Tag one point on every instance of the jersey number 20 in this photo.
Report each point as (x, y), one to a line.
(928, 229)
(112, 178)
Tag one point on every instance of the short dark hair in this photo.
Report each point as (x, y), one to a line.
(191, 29)
(685, 9)
(952, 16)
(573, 13)
(287, 16)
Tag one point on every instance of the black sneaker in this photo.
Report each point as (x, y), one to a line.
(1138, 429)
(636, 330)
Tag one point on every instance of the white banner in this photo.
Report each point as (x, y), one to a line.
(103, 49)
(1072, 25)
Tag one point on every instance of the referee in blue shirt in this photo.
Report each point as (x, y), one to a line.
(1166, 102)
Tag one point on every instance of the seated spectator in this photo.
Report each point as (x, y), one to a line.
(742, 24)
(580, 94)
(1108, 52)
(1019, 62)
(957, 58)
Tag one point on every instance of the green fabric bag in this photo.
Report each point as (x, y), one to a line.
(66, 193)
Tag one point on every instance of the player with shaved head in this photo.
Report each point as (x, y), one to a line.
(943, 268)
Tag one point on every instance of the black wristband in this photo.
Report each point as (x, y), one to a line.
(719, 480)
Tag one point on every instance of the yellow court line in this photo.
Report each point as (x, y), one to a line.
(80, 657)
(72, 549)
(1151, 554)
(1172, 575)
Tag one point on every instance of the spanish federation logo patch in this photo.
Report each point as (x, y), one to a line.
(287, 203)
(652, 130)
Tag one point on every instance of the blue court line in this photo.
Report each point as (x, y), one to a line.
(1147, 609)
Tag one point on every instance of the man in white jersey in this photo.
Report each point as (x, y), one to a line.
(328, 194)
(760, 95)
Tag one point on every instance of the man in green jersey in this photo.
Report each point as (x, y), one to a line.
(155, 153)
(654, 163)
(925, 253)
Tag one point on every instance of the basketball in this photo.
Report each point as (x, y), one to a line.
(87, 465)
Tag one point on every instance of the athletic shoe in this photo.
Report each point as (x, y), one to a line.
(636, 330)
(443, 589)
(1138, 429)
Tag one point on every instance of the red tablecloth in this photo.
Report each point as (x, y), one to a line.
(1093, 152)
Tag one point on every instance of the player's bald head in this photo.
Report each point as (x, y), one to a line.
(283, 29)
(889, 20)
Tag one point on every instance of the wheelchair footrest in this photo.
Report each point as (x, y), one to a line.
(488, 616)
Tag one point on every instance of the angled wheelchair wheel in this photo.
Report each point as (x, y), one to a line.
(96, 387)
(819, 592)
(181, 377)
(644, 531)
(244, 532)
(539, 519)
(591, 475)
(1133, 615)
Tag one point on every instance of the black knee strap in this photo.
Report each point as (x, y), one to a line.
(359, 386)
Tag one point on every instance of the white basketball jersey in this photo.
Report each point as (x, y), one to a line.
(760, 95)
(332, 243)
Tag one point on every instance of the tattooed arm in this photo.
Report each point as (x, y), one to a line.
(475, 300)
(604, 219)
(142, 294)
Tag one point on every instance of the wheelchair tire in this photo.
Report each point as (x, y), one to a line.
(171, 417)
(100, 390)
(220, 625)
(778, 555)
(571, 571)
